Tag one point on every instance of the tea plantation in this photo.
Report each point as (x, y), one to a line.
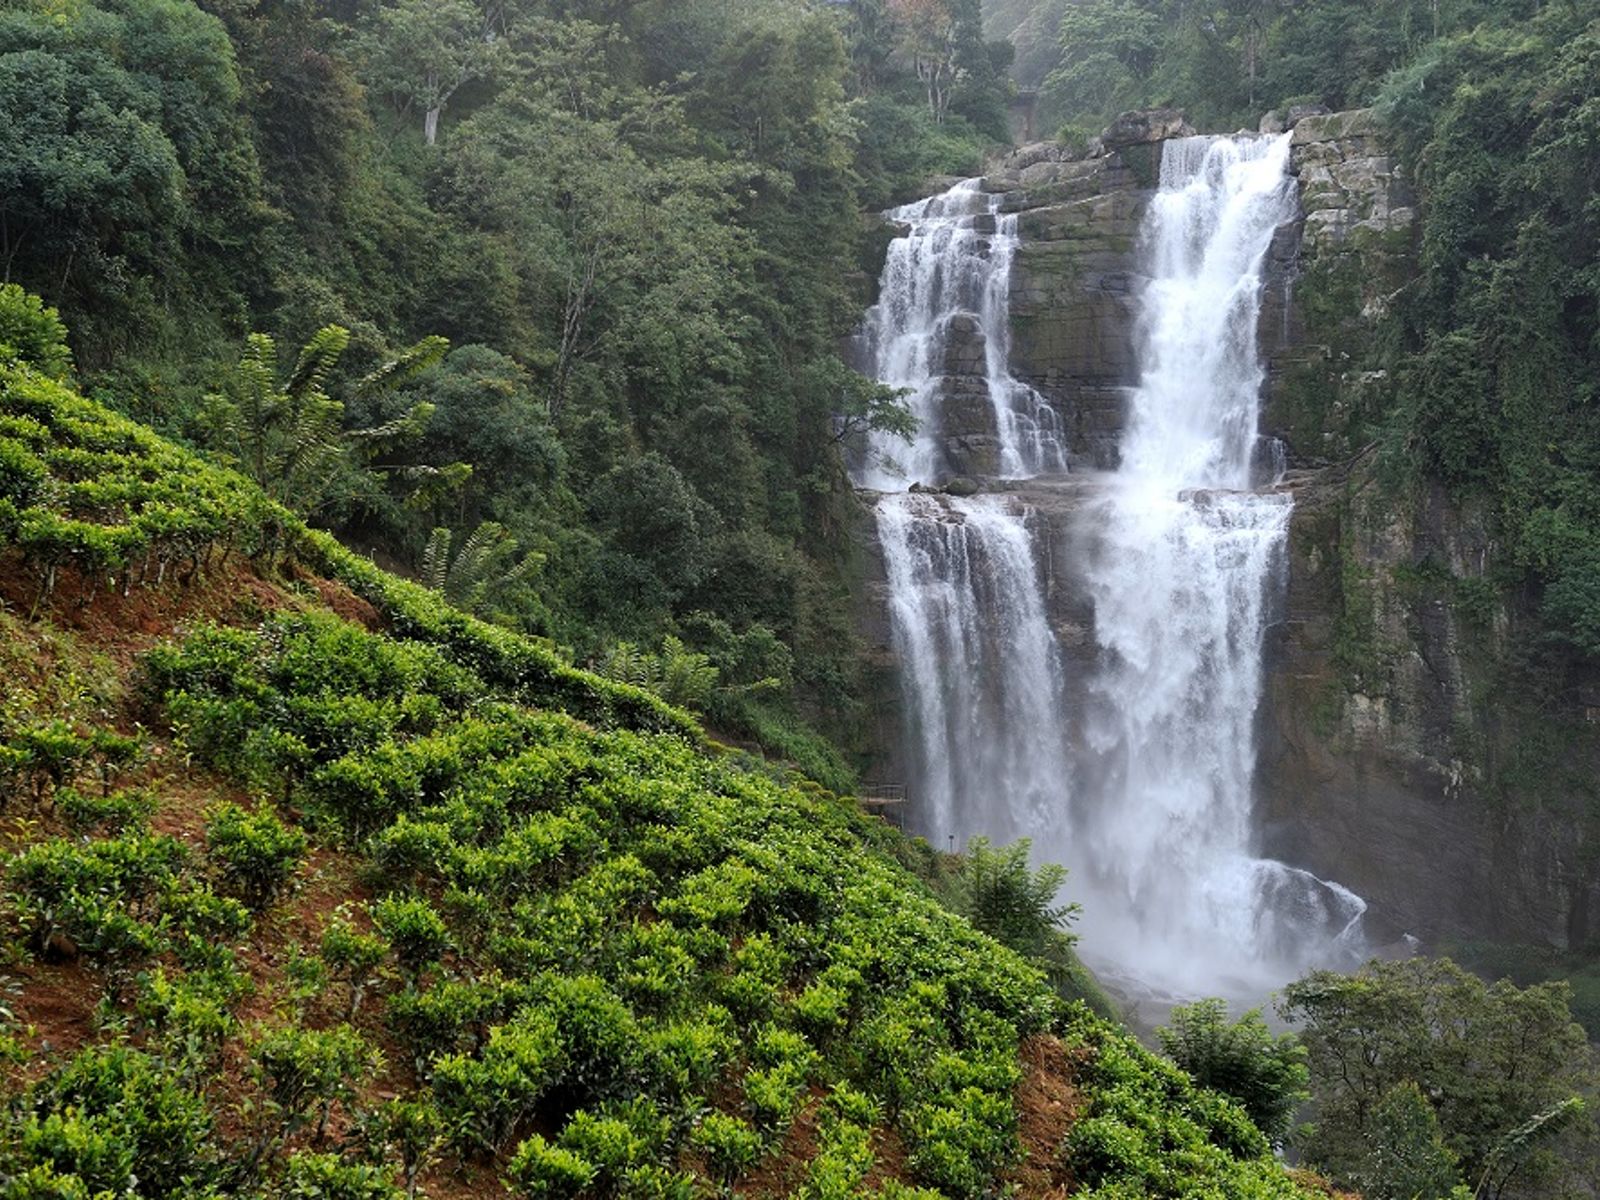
(309, 906)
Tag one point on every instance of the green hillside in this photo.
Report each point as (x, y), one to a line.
(319, 887)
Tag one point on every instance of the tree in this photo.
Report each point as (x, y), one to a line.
(289, 435)
(123, 150)
(1407, 1158)
(1489, 1059)
(32, 333)
(423, 52)
(482, 569)
(650, 514)
(1109, 48)
(1265, 1073)
(1013, 903)
(944, 41)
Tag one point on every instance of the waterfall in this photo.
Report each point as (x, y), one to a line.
(1186, 565)
(1136, 767)
(944, 289)
(979, 664)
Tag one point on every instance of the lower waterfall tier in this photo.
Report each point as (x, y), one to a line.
(1120, 744)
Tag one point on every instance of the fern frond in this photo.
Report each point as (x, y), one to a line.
(317, 360)
(411, 423)
(436, 560)
(476, 558)
(408, 364)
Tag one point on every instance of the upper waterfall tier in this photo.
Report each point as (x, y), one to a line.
(1193, 418)
(941, 332)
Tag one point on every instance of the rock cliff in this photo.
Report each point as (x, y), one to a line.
(1413, 747)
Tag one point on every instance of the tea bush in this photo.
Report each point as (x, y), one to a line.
(81, 487)
(255, 853)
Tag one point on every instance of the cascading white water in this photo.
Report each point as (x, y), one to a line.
(981, 668)
(1185, 565)
(954, 259)
(1140, 777)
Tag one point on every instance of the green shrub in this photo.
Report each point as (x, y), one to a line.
(413, 929)
(98, 895)
(841, 1164)
(1267, 1074)
(189, 1015)
(413, 1129)
(50, 754)
(1149, 1131)
(304, 1072)
(312, 1176)
(450, 1015)
(728, 1143)
(960, 1143)
(598, 1033)
(254, 852)
(617, 1138)
(118, 1121)
(33, 334)
(773, 1096)
(113, 813)
(682, 1057)
(352, 957)
(484, 1099)
(540, 1171)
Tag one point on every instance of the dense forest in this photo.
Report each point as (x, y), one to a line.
(634, 227)
(433, 694)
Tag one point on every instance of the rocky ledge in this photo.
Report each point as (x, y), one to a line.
(1076, 277)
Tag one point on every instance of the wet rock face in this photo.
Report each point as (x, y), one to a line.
(1351, 186)
(1330, 281)
(1074, 289)
(1390, 752)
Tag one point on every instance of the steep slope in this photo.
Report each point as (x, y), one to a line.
(318, 887)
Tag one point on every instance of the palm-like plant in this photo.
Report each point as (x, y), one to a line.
(290, 435)
(485, 564)
(677, 674)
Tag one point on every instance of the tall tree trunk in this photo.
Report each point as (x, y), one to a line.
(430, 125)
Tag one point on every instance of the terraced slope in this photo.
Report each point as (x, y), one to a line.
(319, 888)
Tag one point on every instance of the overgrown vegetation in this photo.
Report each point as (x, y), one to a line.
(1263, 1071)
(1426, 1079)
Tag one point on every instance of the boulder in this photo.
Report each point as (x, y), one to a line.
(1144, 126)
(1024, 157)
(1300, 112)
(1273, 122)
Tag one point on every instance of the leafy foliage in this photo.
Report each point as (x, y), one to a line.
(255, 853)
(33, 334)
(1497, 1064)
(1266, 1074)
(289, 435)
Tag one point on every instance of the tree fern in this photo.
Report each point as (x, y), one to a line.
(485, 565)
(290, 436)
(436, 560)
